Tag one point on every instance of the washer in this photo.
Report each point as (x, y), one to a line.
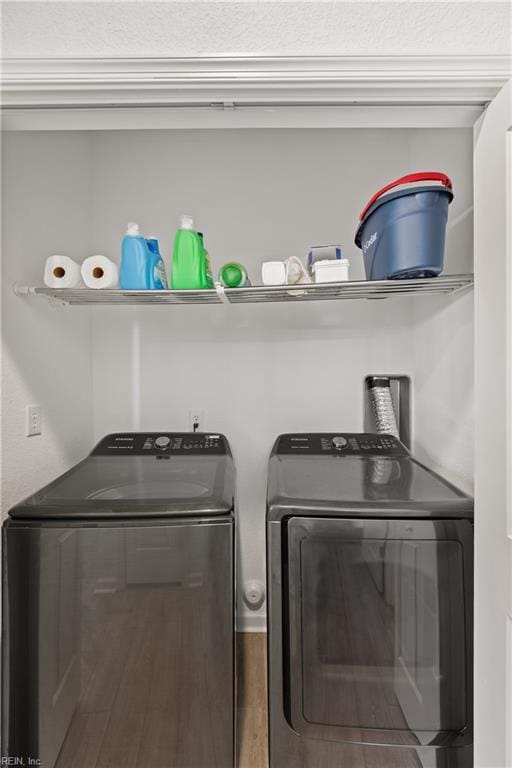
(118, 609)
(370, 581)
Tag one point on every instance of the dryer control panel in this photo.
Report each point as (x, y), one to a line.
(340, 443)
(162, 444)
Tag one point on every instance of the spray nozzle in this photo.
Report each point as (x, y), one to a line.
(133, 229)
(186, 221)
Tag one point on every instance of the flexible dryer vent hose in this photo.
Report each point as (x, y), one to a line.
(380, 398)
(384, 412)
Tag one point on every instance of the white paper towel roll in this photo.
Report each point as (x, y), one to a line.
(62, 272)
(100, 272)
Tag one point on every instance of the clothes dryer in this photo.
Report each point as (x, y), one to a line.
(370, 582)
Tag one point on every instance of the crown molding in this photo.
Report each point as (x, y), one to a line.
(258, 81)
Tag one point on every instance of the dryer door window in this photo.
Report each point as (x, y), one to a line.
(379, 629)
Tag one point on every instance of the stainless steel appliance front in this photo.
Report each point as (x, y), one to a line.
(370, 613)
(120, 644)
(118, 611)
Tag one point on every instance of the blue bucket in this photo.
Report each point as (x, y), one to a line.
(402, 234)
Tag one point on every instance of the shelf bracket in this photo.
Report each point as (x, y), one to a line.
(55, 302)
(22, 290)
(221, 293)
(29, 290)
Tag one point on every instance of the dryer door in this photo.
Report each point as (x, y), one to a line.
(379, 628)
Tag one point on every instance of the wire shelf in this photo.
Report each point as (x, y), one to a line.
(96, 297)
(367, 289)
(372, 289)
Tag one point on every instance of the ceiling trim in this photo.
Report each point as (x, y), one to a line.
(318, 80)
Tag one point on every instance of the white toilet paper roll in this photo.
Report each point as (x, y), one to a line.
(100, 272)
(62, 272)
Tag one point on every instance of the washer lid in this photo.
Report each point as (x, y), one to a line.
(137, 482)
(321, 478)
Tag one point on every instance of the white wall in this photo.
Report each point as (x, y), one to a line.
(444, 387)
(261, 370)
(254, 28)
(46, 352)
(443, 404)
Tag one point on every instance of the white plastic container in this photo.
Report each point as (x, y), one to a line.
(322, 253)
(273, 273)
(330, 270)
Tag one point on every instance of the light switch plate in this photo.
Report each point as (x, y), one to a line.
(32, 420)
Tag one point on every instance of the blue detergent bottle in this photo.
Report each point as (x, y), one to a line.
(156, 277)
(135, 256)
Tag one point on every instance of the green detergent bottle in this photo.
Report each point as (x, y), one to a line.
(190, 268)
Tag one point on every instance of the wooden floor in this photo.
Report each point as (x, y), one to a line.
(96, 739)
(252, 701)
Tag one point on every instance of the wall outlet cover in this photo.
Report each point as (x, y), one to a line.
(32, 420)
(196, 420)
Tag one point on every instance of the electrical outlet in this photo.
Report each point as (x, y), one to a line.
(196, 421)
(32, 420)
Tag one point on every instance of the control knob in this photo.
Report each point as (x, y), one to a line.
(162, 442)
(339, 442)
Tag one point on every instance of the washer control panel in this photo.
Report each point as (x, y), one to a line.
(162, 444)
(345, 444)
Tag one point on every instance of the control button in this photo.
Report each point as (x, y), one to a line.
(162, 442)
(339, 442)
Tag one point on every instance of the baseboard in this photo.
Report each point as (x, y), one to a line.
(251, 623)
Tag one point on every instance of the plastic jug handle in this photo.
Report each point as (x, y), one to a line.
(409, 179)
